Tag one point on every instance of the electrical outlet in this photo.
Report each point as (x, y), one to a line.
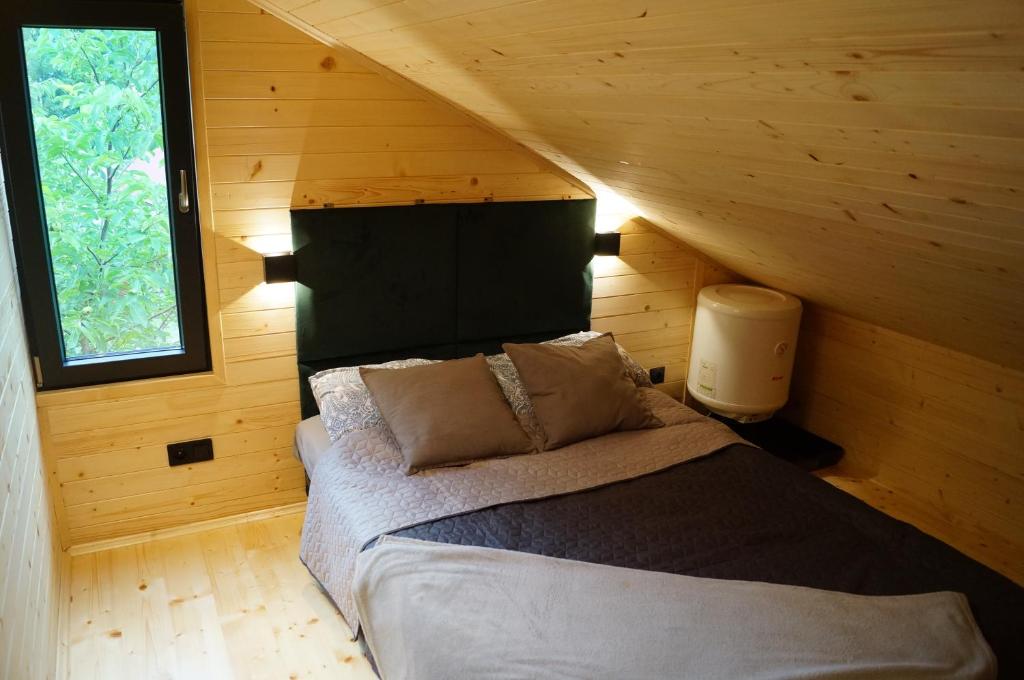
(185, 453)
(658, 375)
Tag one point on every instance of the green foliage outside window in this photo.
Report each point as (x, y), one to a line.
(96, 112)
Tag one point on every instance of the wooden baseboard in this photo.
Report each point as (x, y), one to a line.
(205, 525)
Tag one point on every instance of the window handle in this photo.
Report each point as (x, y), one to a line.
(183, 204)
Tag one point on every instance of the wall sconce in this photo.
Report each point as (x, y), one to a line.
(279, 268)
(607, 243)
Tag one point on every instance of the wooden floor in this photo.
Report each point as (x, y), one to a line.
(236, 603)
(223, 604)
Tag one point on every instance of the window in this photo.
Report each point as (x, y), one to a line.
(98, 148)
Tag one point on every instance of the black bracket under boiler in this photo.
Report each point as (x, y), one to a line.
(787, 441)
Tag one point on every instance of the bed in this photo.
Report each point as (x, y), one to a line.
(690, 499)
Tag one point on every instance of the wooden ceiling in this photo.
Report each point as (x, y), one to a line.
(867, 155)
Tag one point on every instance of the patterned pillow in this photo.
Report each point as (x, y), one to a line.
(519, 399)
(517, 396)
(344, 402)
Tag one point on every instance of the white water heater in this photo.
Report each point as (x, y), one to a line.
(741, 360)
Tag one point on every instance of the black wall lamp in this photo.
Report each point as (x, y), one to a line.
(279, 268)
(607, 243)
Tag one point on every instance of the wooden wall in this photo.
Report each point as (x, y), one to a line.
(939, 434)
(31, 560)
(865, 155)
(285, 122)
(646, 297)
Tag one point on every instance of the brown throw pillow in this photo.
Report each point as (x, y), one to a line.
(447, 413)
(580, 392)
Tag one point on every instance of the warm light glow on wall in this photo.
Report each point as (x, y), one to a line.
(261, 296)
(267, 244)
(272, 295)
(612, 210)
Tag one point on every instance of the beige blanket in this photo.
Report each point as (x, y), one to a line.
(435, 611)
(359, 493)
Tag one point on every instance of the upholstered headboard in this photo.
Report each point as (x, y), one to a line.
(437, 281)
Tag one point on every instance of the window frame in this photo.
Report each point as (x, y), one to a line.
(17, 137)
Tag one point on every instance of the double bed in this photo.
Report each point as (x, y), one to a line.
(688, 499)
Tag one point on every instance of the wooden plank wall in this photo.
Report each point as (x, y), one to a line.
(284, 121)
(31, 560)
(865, 154)
(646, 297)
(941, 432)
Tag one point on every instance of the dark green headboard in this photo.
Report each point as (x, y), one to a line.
(437, 281)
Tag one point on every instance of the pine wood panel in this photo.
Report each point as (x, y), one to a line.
(202, 499)
(231, 113)
(258, 56)
(260, 346)
(936, 429)
(31, 561)
(327, 166)
(995, 89)
(946, 52)
(391, 190)
(864, 155)
(247, 141)
(231, 6)
(156, 408)
(645, 297)
(246, 27)
(143, 482)
(110, 464)
(575, 26)
(279, 85)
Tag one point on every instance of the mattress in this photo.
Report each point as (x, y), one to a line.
(311, 443)
(742, 514)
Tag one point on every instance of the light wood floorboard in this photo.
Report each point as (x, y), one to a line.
(221, 604)
(233, 603)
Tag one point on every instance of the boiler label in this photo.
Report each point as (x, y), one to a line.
(707, 378)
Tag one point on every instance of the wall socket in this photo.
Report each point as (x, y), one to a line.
(658, 375)
(185, 453)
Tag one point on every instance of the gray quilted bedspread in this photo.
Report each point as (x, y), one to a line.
(358, 491)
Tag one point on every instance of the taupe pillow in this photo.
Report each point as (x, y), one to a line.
(447, 413)
(580, 392)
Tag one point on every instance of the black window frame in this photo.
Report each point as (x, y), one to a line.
(17, 136)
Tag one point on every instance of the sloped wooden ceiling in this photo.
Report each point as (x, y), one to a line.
(866, 155)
